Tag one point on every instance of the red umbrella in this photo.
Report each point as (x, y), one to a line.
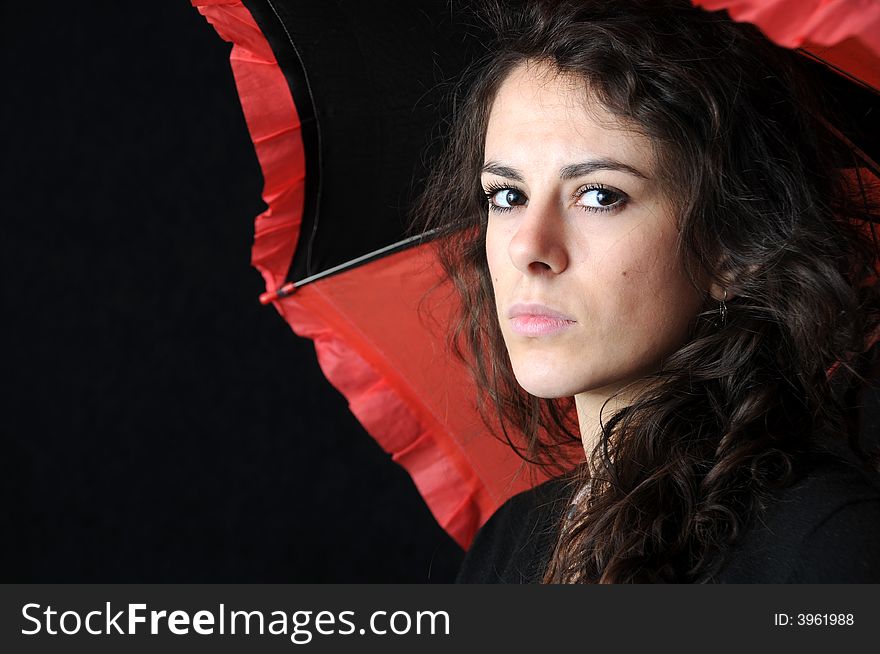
(379, 339)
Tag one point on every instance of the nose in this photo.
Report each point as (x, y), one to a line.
(539, 242)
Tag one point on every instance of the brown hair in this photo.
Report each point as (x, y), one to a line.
(762, 195)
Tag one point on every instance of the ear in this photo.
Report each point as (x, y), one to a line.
(717, 291)
(730, 278)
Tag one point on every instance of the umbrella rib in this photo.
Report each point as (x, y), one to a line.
(363, 258)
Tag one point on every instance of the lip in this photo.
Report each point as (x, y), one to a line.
(537, 320)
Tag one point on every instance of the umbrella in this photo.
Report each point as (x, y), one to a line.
(341, 100)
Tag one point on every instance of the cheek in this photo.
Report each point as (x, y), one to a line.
(649, 282)
(495, 252)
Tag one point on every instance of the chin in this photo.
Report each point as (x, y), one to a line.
(544, 387)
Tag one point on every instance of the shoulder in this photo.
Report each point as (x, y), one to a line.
(512, 545)
(824, 528)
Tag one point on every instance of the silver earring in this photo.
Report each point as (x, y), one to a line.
(722, 309)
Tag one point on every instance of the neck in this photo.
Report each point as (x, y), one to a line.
(590, 403)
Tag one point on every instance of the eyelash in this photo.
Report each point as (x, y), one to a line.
(493, 189)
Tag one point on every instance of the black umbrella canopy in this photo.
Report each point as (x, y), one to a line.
(370, 82)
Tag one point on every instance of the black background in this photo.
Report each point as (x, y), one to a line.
(159, 424)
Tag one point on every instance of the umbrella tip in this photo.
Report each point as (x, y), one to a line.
(271, 296)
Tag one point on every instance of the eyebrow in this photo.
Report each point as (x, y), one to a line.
(567, 172)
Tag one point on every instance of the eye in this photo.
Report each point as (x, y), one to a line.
(504, 198)
(600, 198)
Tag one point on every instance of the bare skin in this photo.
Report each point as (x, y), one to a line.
(576, 222)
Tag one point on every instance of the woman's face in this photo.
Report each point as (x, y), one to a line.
(577, 224)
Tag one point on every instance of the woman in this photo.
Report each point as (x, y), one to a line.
(653, 227)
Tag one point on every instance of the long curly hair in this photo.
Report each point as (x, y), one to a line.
(768, 194)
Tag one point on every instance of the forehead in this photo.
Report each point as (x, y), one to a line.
(540, 114)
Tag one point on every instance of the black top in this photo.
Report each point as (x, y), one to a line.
(825, 528)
